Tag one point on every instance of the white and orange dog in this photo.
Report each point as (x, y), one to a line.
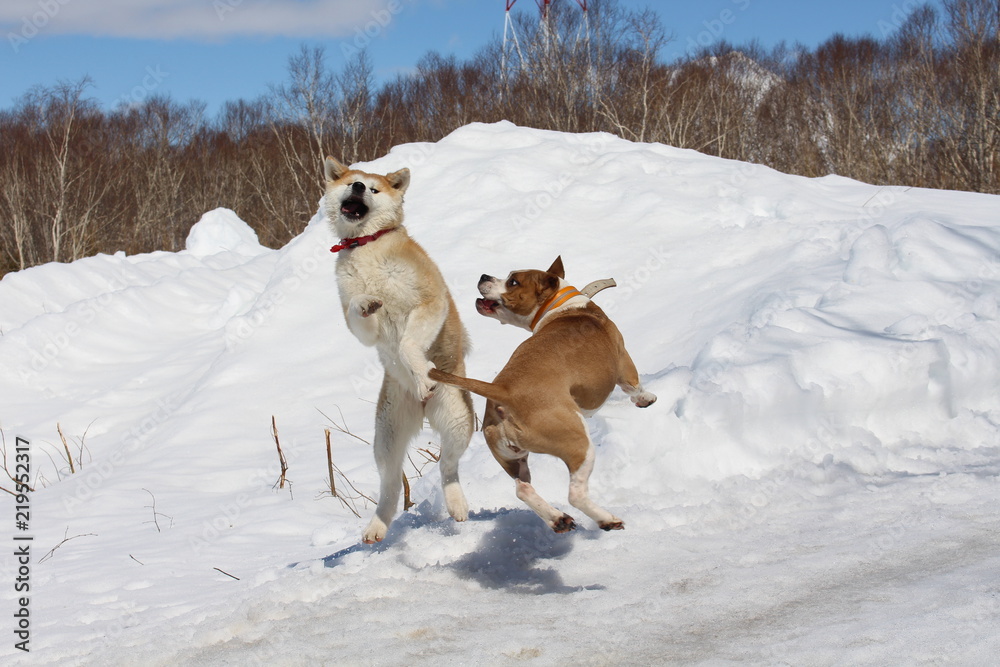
(395, 299)
(566, 369)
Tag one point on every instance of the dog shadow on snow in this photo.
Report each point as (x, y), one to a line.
(511, 556)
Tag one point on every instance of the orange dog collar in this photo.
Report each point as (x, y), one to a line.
(556, 300)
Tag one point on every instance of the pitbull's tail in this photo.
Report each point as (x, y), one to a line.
(487, 389)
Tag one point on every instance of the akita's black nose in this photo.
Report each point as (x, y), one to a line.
(358, 187)
(485, 278)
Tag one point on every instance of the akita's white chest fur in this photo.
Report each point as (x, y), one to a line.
(390, 300)
(380, 274)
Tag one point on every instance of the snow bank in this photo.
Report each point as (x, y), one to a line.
(817, 483)
(222, 230)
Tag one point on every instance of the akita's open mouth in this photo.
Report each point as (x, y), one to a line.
(353, 208)
(486, 306)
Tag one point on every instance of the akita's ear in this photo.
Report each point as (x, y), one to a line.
(333, 169)
(557, 267)
(399, 180)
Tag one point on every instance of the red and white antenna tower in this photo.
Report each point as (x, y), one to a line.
(508, 27)
(543, 9)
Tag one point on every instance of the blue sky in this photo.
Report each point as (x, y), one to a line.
(219, 50)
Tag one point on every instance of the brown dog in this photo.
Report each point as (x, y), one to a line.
(567, 369)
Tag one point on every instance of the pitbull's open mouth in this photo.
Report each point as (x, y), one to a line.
(353, 208)
(486, 306)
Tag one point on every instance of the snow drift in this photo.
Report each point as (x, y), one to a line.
(817, 483)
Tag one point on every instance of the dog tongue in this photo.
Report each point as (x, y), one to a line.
(486, 306)
(351, 207)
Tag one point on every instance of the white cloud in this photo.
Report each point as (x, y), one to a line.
(196, 19)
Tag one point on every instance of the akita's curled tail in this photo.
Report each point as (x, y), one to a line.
(486, 389)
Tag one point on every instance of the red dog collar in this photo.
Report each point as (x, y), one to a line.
(348, 244)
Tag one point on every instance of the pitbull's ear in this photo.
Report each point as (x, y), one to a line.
(557, 267)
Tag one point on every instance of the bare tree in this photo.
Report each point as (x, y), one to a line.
(913, 97)
(355, 114)
(632, 99)
(301, 115)
(974, 90)
(921, 106)
(59, 111)
(15, 207)
(161, 130)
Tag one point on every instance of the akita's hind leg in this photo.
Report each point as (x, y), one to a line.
(579, 491)
(398, 418)
(450, 414)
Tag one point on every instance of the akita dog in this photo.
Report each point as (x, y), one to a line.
(395, 299)
(567, 369)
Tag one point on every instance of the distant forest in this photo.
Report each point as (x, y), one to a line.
(918, 105)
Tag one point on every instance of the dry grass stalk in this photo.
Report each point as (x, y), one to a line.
(281, 454)
(329, 463)
(343, 429)
(348, 501)
(69, 457)
(156, 514)
(65, 539)
(407, 503)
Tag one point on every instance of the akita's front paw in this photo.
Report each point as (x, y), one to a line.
(367, 306)
(424, 385)
(359, 318)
